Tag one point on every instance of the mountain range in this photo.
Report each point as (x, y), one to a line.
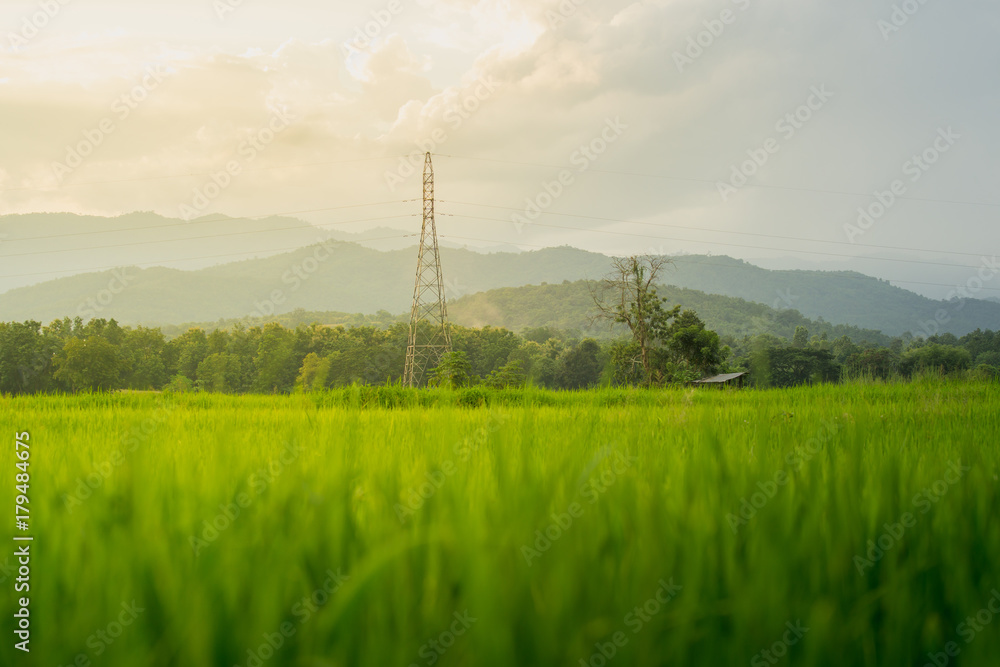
(350, 278)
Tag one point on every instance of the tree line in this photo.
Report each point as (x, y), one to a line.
(665, 345)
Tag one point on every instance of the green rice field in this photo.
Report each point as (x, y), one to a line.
(833, 525)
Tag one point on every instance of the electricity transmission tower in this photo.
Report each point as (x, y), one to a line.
(427, 343)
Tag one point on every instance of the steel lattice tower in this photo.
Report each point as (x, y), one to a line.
(428, 297)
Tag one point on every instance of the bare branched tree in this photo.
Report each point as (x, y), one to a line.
(627, 295)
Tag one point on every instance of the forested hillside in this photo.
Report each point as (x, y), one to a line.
(348, 278)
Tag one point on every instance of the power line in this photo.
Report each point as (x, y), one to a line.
(158, 262)
(683, 258)
(209, 236)
(719, 243)
(724, 231)
(716, 182)
(51, 188)
(202, 221)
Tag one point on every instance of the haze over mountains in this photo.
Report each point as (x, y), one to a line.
(348, 277)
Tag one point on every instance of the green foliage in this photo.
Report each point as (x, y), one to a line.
(313, 374)
(801, 337)
(219, 372)
(275, 361)
(693, 346)
(881, 364)
(789, 367)
(510, 375)
(35, 359)
(24, 357)
(90, 363)
(936, 357)
(660, 477)
(454, 371)
(179, 384)
(582, 366)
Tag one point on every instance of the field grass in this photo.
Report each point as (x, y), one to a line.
(389, 527)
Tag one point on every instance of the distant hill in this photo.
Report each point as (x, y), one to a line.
(570, 306)
(351, 279)
(356, 279)
(836, 296)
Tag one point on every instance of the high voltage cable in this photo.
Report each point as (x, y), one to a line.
(717, 181)
(201, 221)
(383, 238)
(183, 259)
(198, 175)
(723, 231)
(719, 243)
(209, 236)
(683, 258)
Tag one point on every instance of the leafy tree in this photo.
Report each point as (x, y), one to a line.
(788, 367)
(934, 356)
(180, 384)
(693, 345)
(25, 358)
(545, 372)
(582, 367)
(989, 358)
(801, 338)
(453, 372)
(510, 375)
(487, 349)
(89, 363)
(313, 374)
(540, 334)
(625, 364)
(190, 349)
(144, 350)
(219, 373)
(881, 363)
(275, 361)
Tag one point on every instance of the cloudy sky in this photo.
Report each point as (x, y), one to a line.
(753, 128)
